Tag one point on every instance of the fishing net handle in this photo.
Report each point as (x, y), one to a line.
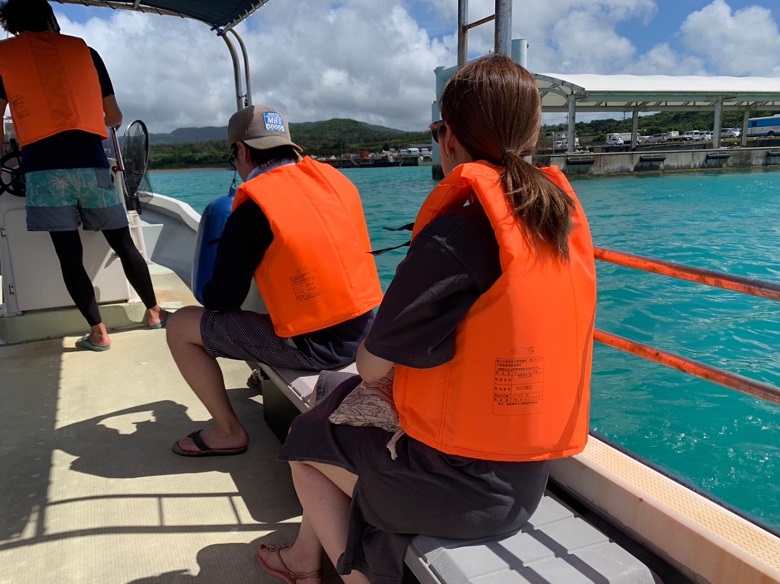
(15, 185)
(120, 165)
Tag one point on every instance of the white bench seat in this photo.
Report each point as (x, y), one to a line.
(555, 547)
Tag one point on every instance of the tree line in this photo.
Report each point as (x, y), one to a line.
(337, 136)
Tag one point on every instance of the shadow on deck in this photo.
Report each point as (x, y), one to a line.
(90, 490)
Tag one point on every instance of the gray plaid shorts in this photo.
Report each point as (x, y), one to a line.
(250, 336)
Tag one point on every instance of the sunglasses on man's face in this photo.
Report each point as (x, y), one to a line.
(435, 128)
(232, 158)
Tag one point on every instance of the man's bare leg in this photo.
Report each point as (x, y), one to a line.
(202, 373)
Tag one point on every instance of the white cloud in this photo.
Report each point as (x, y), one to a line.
(364, 60)
(167, 71)
(372, 61)
(662, 60)
(743, 42)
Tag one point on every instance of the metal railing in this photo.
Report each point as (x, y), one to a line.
(754, 287)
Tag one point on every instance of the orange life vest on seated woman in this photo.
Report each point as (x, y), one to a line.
(518, 387)
(52, 86)
(318, 271)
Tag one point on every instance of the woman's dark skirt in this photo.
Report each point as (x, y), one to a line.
(423, 491)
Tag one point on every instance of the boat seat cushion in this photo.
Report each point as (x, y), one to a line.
(555, 546)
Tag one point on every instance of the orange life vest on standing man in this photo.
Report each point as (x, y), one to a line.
(52, 86)
(518, 387)
(318, 271)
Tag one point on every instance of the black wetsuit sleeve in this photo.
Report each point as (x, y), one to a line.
(448, 266)
(246, 236)
(106, 87)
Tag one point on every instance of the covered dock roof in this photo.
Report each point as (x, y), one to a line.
(601, 93)
(572, 93)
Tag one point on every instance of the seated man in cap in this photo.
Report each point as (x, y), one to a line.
(298, 229)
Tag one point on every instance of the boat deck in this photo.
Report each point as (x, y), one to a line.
(90, 490)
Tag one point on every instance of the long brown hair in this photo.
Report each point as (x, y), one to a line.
(492, 105)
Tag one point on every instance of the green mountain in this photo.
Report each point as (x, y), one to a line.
(189, 135)
(333, 129)
(194, 147)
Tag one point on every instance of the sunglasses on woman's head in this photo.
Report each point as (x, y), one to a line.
(435, 128)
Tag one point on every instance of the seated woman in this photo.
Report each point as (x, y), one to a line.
(487, 329)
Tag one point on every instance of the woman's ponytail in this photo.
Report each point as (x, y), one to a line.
(541, 207)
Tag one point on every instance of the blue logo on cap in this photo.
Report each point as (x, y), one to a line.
(273, 122)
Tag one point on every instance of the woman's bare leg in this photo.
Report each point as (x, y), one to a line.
(325, 494)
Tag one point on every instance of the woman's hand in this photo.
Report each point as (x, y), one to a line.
(369, 366)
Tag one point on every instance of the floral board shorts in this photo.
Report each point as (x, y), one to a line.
(60, 199)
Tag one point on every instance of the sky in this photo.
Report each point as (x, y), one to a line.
(373, 61)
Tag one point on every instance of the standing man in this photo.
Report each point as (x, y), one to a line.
(298, 229)
(61, 101)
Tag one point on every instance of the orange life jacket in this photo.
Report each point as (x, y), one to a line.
(52, 86)
(518, 387)
(318, 271)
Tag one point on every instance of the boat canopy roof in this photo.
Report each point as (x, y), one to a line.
(222, 15)
(600, 93)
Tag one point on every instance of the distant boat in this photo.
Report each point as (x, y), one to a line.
(374, 161)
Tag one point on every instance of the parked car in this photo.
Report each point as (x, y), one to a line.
(694, 135)
(730, 132)
(656, 138)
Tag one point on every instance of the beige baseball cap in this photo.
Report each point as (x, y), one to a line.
(260, 127)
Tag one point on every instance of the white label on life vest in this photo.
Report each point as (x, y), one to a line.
(518, 386)
(306, 285)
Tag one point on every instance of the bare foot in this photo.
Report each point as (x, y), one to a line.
(215, 440)
(279, 560)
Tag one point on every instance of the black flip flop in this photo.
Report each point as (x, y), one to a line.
(205, 449)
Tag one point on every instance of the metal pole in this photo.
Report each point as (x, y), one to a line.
(503, 40)
(236, 71)
(247, 76)
(570, 132)
(752, 286)
(463, 42)
(635, 128)
(750, 387)
(716, 125)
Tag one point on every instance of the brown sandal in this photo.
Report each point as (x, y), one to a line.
(286, 574)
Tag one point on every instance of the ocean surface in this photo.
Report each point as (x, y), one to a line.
(724, 443)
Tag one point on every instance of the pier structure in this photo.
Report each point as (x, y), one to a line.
(634, 94)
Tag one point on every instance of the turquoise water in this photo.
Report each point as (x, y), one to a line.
(724, 443)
